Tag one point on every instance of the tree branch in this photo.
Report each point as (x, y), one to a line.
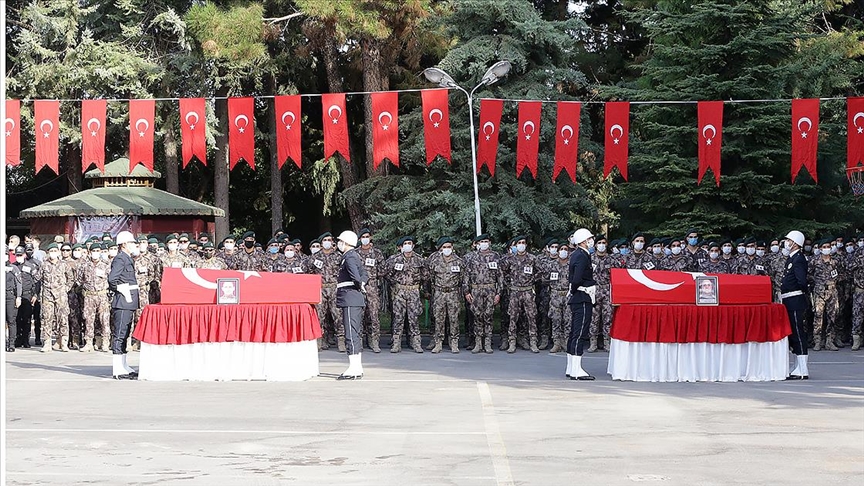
(274, 20)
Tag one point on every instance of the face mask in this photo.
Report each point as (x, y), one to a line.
(839, 245)
(520, 248)
(143, 247)
(667, 251)
(249, 244)
(407, 248)
(787, 245)
(741, 250)
(807, 247)
(484, 246)
(112, 253)
(135, 251)
(785, 252)
(365, 241)
(160, 251)
(638, 246)
(861, 244)
(96, 256)
(775, 248)
(692, 241)
(184, 246)
(553, 251)
(228, 246)
(563, 254)
(657, 250)
(625, 251)
(751, 251)
(512, 250)
(591, 250)
(173, 246)
(833, 250)
(760, 253)
(327, 245)
(314, 250)
(850, 249)
(727, 250)
(341, 246)
(447, 251)
(273, 250)
(714, 255)
(676, 250)
(615, 250)
(601, 247)
(289, 254)
(105, 256)
(590, 242)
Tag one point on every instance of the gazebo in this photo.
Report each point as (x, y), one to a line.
(119, 200)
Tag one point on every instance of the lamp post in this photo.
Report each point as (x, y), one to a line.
(493, 74)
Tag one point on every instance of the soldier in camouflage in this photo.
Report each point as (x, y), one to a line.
(544, 323)
(856, 275)
(522, 272)
(445, 275)
(146, 272)
(482, 285)
(326, 263)
(677, 261)
(172, 257)
(210, 260)
(184, 246)
(726, 250)
(274, 260)
(692, 251)
(602, 263)
(67, 253)
(292, 262)
(753, 263)
(373, 260)
(92, 276)
(639, 259)
(714, 264)
(556, 272)
(824, 272)
(57, 281)
(249, 258)
(406, 273)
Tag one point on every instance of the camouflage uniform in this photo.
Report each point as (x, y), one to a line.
(327, 265)
(677, 263)
(175, 259)
(445, 275)
(752, 266)
(214, 263)
(75, 306)
(521, 273)
(484, 280)
(776, 270)
(544, 324)
(720, 266)
(824, 276)
(731, 264)
(245, 261)
(274, 263)
(640, 261)
(192, 256)
(93, 279)
(373, 259)
(856, 274)
(559, 311)
(602, 266)
(406, 275)
(696, 258)
(57, 280)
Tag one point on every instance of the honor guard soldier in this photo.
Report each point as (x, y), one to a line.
(482, 285)
(559, 288)
(406, 272)
(602, 265)
(583, 290)
(57, 281)
(445, 274)
(793, 293)
(122, 281)
(350, 297)
(373, 260)
(522, 273)
(93, 278)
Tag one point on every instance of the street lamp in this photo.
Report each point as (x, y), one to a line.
(493, 74)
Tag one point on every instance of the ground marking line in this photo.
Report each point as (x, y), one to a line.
(212, 431)
(497, 449)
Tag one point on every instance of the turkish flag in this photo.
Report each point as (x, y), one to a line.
(385, 128)
(567, 139)
(528, 143)
(617, 137)
(241, 131)
(710, 115)
(47, 121)
(141, 121)
(193, 129)
(855, 132)
(93, 134)
(288, 129)
(436, 124)
(335, 126)
(805, 135)
(487, 139)
(12, 127)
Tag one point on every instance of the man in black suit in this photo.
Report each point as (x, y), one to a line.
(122, 281)
(351, 298)
(793, 293)
(582, 296)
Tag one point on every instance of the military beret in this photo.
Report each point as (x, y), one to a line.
(520, 237)
(207, 246)
(77, 246)
(325, 235)
(152, 240)
(550, 241)
(111, 243)
(230, 237)
(142, 237)
(482, 237)
(443, 241)
(161, 245)
(295, 241)
(106, 235)
(272, 241)
(637, 235)
(599, 237)
(249, 234)
(282, 237)
(193, 243)
(364, 231)
(278, 230)
(749, 240)
(760, 243)
(152, 236)
(258, 245)
(739, 241)
(19, 250)
(861, 236)
(713, 244)
(655, 241)
(315, 241)
(725, 241)
(184, 235)
(666, 241)
(405, 239)
(691, 230)
(52, 245)
(170, 238)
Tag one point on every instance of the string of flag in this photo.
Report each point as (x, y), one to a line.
(385, 132)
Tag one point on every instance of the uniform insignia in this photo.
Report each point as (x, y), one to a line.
(834, 274)
(492, 265)
(297, 270)
(594, 266)
(553, 276)
(25, 269)
(789, 267)
(399, 267)
(100, 272)
(760, 268)
(649, 266)
(528, 270)
(175, 265)
(370, 262)
(455, 269)
(319, 264)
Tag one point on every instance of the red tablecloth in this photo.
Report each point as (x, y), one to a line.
(729, 324)
(254, 323)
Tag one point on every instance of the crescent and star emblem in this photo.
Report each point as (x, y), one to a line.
(713, 133)
(293, 119)
(50, 127)
(639, 276)
(491, 127)
(245, 123)
(9, 131)
(192, 124)
(94, 131)
(620, 134)
(440, 117)
(860, 114)
(330, 113)
(385, 126)
(566, 137)
(525, 126)
(146, 126)
(809, 123)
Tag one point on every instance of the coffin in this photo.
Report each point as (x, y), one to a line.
(660, 287)
(199, 286)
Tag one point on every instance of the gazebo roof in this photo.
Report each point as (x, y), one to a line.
(120, 168)
(117, 201)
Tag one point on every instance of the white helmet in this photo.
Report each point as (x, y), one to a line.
(125, 237)
(797, 237)
(349, 237)
(581, 235)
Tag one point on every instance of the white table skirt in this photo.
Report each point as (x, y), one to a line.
(699, 361)
(229, 361)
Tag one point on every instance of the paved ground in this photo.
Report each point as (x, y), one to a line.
(431, 420)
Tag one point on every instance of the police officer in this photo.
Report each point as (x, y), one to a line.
(13, 300)
(350, 297)
(793, 293)
(31, 281)
(582, 296)
(122, 281)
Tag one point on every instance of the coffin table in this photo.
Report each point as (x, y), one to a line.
(662, 343)
(274, 342)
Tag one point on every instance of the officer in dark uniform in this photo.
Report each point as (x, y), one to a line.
(351, 298)
(793, 293)
(13, 300)
(582, 297)
(122, 281)
(31, 286)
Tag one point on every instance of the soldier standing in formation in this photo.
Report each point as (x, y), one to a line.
(406, 272)
(482, 286)
(557, 271)
(372, 259)
(823, 276)
(602, 264)
(544, 323)
(326, 263)
(210, 260)
(522, 272)
(31, 288)
(93, 278)
(57, 281)
(445, 276)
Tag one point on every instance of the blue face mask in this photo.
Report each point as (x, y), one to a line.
(591, 250)
(273, 249)
(692, 241)
(625, 251)
(667, 251)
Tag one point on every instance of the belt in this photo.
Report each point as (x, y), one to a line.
(561, 291)
(328, 286)
(794, 293)
(342, 285)
(521, 289)
(447, 289)
(483, 286)
(407, 287)
(92, 293)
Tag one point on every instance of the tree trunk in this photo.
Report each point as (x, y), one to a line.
(172, 181)
(371, 82)
(74, 177)
(220, 168)
(275, 172)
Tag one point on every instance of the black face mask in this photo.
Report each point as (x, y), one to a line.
(248, 244)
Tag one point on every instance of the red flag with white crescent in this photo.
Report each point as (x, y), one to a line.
(436, 124)
(193, 129)
(141, 121)
(287, 109)
(855, 132)
(241, 131)
(567, 139)
(617, 137)
(805, 136)
(47, 121)
(12, 128)
(528, 141)
(335, 126)
(93, 134)
(710, 115)
(487, 139)
(385, 128)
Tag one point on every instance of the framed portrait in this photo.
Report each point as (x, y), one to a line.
(228, 291)
(707, 291)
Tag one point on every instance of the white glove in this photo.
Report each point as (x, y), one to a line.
(125, 292)
(362, 287)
